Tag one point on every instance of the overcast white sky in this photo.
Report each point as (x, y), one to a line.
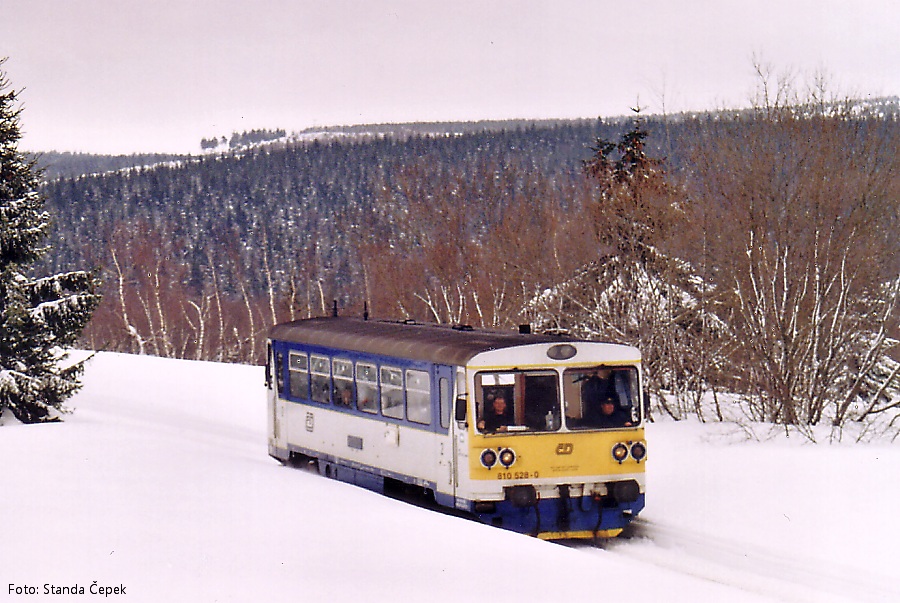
(121, 76)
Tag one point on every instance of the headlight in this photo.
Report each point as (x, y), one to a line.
(638, 451)
(488, 458)
(507, 457)
(620, 452)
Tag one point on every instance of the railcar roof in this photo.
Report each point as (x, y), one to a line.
(416, 341)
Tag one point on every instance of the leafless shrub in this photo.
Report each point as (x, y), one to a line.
(802, 236)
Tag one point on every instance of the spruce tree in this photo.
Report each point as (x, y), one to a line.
(39, 317)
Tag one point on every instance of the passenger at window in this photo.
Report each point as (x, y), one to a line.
(366, 404)
(496, 418)
(346, 397)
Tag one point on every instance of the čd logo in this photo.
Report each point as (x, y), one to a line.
(565, 448)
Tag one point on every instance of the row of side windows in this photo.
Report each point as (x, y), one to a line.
(366, 387)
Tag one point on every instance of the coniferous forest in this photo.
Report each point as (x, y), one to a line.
(751, 252)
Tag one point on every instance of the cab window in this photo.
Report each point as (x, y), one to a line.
(517, 401)
(602, 397)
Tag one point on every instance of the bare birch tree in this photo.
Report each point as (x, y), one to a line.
(804, 238)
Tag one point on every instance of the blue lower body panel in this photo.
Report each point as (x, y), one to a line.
(560, 518)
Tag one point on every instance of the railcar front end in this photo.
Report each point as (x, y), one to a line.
(547, 453)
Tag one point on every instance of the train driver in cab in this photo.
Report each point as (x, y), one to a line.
(599, 401)
(496, 418)
(610, 415)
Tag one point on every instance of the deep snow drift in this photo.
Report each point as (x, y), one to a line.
(160, 482)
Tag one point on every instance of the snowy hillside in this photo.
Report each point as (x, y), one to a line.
(160, 482)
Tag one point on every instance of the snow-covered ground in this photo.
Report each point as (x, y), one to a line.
(160, 482)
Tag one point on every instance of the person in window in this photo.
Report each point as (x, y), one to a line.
(609, 414)
(495, 419)
(366, 403)
(346, 397)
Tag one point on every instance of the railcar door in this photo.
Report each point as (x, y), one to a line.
(446, 482)
(459, 435)
(274, 389)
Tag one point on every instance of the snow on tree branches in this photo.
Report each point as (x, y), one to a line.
(39, 317)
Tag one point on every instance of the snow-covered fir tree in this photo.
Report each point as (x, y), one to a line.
(39, 317)
(634, 292)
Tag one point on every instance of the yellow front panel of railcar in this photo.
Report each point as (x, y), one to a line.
(565, 456)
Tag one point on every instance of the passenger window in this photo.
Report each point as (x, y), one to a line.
(392, 392)
(367, 387)
(270, 362)
(418, 396)
(342, 376)
(279, 372)
(298, 375)
(320, 378)
(446, 397)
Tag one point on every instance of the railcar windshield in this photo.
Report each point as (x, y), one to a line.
(601, 397)
(511, 401)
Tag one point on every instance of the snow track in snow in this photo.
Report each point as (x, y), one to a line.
(748, 567)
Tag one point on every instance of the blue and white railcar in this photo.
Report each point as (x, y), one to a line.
(534, 433)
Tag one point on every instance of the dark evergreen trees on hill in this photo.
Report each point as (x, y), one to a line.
(243, 238)
(39, 317)
(502, 226)
(298, 193)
